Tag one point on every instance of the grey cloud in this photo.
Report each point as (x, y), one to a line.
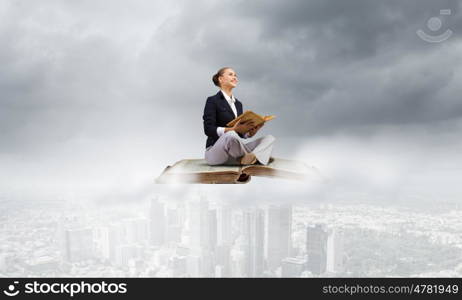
(292, 56)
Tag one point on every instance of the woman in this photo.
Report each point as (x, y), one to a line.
(228, 145)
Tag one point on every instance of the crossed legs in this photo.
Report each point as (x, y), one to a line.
(230, 147)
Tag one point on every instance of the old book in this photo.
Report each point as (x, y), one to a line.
(198, 171)
(249, 115)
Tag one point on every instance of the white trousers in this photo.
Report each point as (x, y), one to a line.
(230, 147)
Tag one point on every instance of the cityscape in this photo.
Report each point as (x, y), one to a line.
(199, 237)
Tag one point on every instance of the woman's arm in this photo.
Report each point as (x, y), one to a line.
(241, 128)
(210, 118)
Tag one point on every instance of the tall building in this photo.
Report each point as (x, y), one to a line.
(212, 224)
(78, 244)
(324, 247)
(174, 225)
(101, 239)
(107, 239)
(115, 238)
(238, 263)
(316, 248)
(199, 225)
(335, 252)
(223, 260)
(279, 235)
(253, 243)
(224, 226)
(207, 264)
(157, 223)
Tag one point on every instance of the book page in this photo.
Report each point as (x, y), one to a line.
(250, 115)
(200, 166)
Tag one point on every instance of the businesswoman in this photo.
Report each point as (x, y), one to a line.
(229, 145)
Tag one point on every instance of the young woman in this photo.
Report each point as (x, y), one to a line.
(228, 145)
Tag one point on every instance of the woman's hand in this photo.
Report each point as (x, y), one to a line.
(243, 127)
(255, 129)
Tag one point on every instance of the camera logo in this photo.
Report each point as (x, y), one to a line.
(434, 24)
(11, 292)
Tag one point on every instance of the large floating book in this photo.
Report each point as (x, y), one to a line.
(198, 171)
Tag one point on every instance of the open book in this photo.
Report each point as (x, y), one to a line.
(198, 171)
(249, 115)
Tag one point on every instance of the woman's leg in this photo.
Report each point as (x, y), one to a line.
(226, 149)
(262, 148)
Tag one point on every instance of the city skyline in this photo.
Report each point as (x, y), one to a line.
(206, 238)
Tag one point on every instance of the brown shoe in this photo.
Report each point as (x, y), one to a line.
(248, 159)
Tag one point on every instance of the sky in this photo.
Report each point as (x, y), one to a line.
(97, 97)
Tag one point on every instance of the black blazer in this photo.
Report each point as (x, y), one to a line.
(217, 113)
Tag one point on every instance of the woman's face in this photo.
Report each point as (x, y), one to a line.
(228, 79)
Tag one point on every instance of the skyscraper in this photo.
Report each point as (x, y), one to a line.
(174, 225)
(238, 263)
(253, 243)
(316, 248)
(335, 252)
(202, 234)
(279, 235)
(199, 221)
(78, 244)
(157, 223)
(212, 222)
(223, 259)
(224, 226)
(224, 241)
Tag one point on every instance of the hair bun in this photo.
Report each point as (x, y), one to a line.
(215, 80)
(217, 75)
